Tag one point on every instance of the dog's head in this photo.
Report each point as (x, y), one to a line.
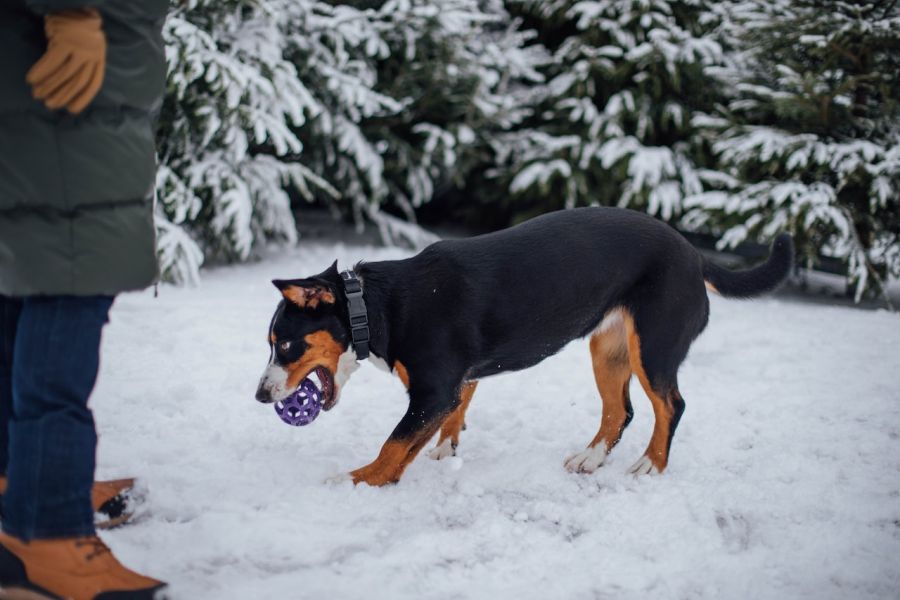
(308, 334)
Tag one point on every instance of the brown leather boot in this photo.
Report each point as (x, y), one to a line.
(71, 569)
(112, 501)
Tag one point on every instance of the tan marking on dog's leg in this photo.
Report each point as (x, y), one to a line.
(387, 468)
(454, 424)
(402, 373)
(393, 459)
(657, 452)
(612, 373)
(712, 288)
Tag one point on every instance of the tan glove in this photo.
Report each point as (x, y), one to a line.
(70, 73)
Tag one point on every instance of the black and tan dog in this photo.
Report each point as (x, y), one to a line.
(466, 309)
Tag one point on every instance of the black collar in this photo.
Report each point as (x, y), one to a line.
(359, 318)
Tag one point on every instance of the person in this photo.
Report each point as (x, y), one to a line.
(81, 85)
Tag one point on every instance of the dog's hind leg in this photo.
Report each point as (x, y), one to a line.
(655, 351)
(454, 424)
(612, 372)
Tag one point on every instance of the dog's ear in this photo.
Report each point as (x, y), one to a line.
(305, 293)
(331, 273)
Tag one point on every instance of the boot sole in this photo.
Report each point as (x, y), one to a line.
(110, 524)
(18, 593)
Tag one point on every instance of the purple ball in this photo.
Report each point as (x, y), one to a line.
(302, 407)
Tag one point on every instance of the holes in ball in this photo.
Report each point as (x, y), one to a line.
(302, 406)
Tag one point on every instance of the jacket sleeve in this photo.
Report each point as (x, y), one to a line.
(128, 11)
(42, 7)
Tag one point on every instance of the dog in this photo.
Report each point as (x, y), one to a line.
(465, 309)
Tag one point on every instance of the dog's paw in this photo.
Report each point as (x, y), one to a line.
(443, 450)
(644, 466)
(588, 460)
(377, 474)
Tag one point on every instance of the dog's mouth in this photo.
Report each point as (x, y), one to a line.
(324, 380)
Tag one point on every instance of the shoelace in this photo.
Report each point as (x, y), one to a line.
(96, 544)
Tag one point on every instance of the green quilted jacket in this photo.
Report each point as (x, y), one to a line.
(76, 192)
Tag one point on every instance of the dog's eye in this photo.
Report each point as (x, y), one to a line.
(284, 346)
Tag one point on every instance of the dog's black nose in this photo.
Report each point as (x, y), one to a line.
(263, 394)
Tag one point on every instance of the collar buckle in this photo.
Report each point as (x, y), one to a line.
(359, 317)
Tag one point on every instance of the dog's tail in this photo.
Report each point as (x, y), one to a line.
(757, 280)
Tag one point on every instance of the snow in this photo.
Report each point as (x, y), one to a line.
(783, 481)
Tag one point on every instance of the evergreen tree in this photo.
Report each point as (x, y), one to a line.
(810, 139)
(614, 124)
(408, 86)
(225, 139)
(368, 107)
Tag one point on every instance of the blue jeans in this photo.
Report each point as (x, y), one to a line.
(49, 356)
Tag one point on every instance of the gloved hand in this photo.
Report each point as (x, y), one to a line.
(70, 73)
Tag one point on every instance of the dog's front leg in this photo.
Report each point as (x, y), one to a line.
(429, 405)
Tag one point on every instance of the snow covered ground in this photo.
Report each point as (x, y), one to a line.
(784, 480)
